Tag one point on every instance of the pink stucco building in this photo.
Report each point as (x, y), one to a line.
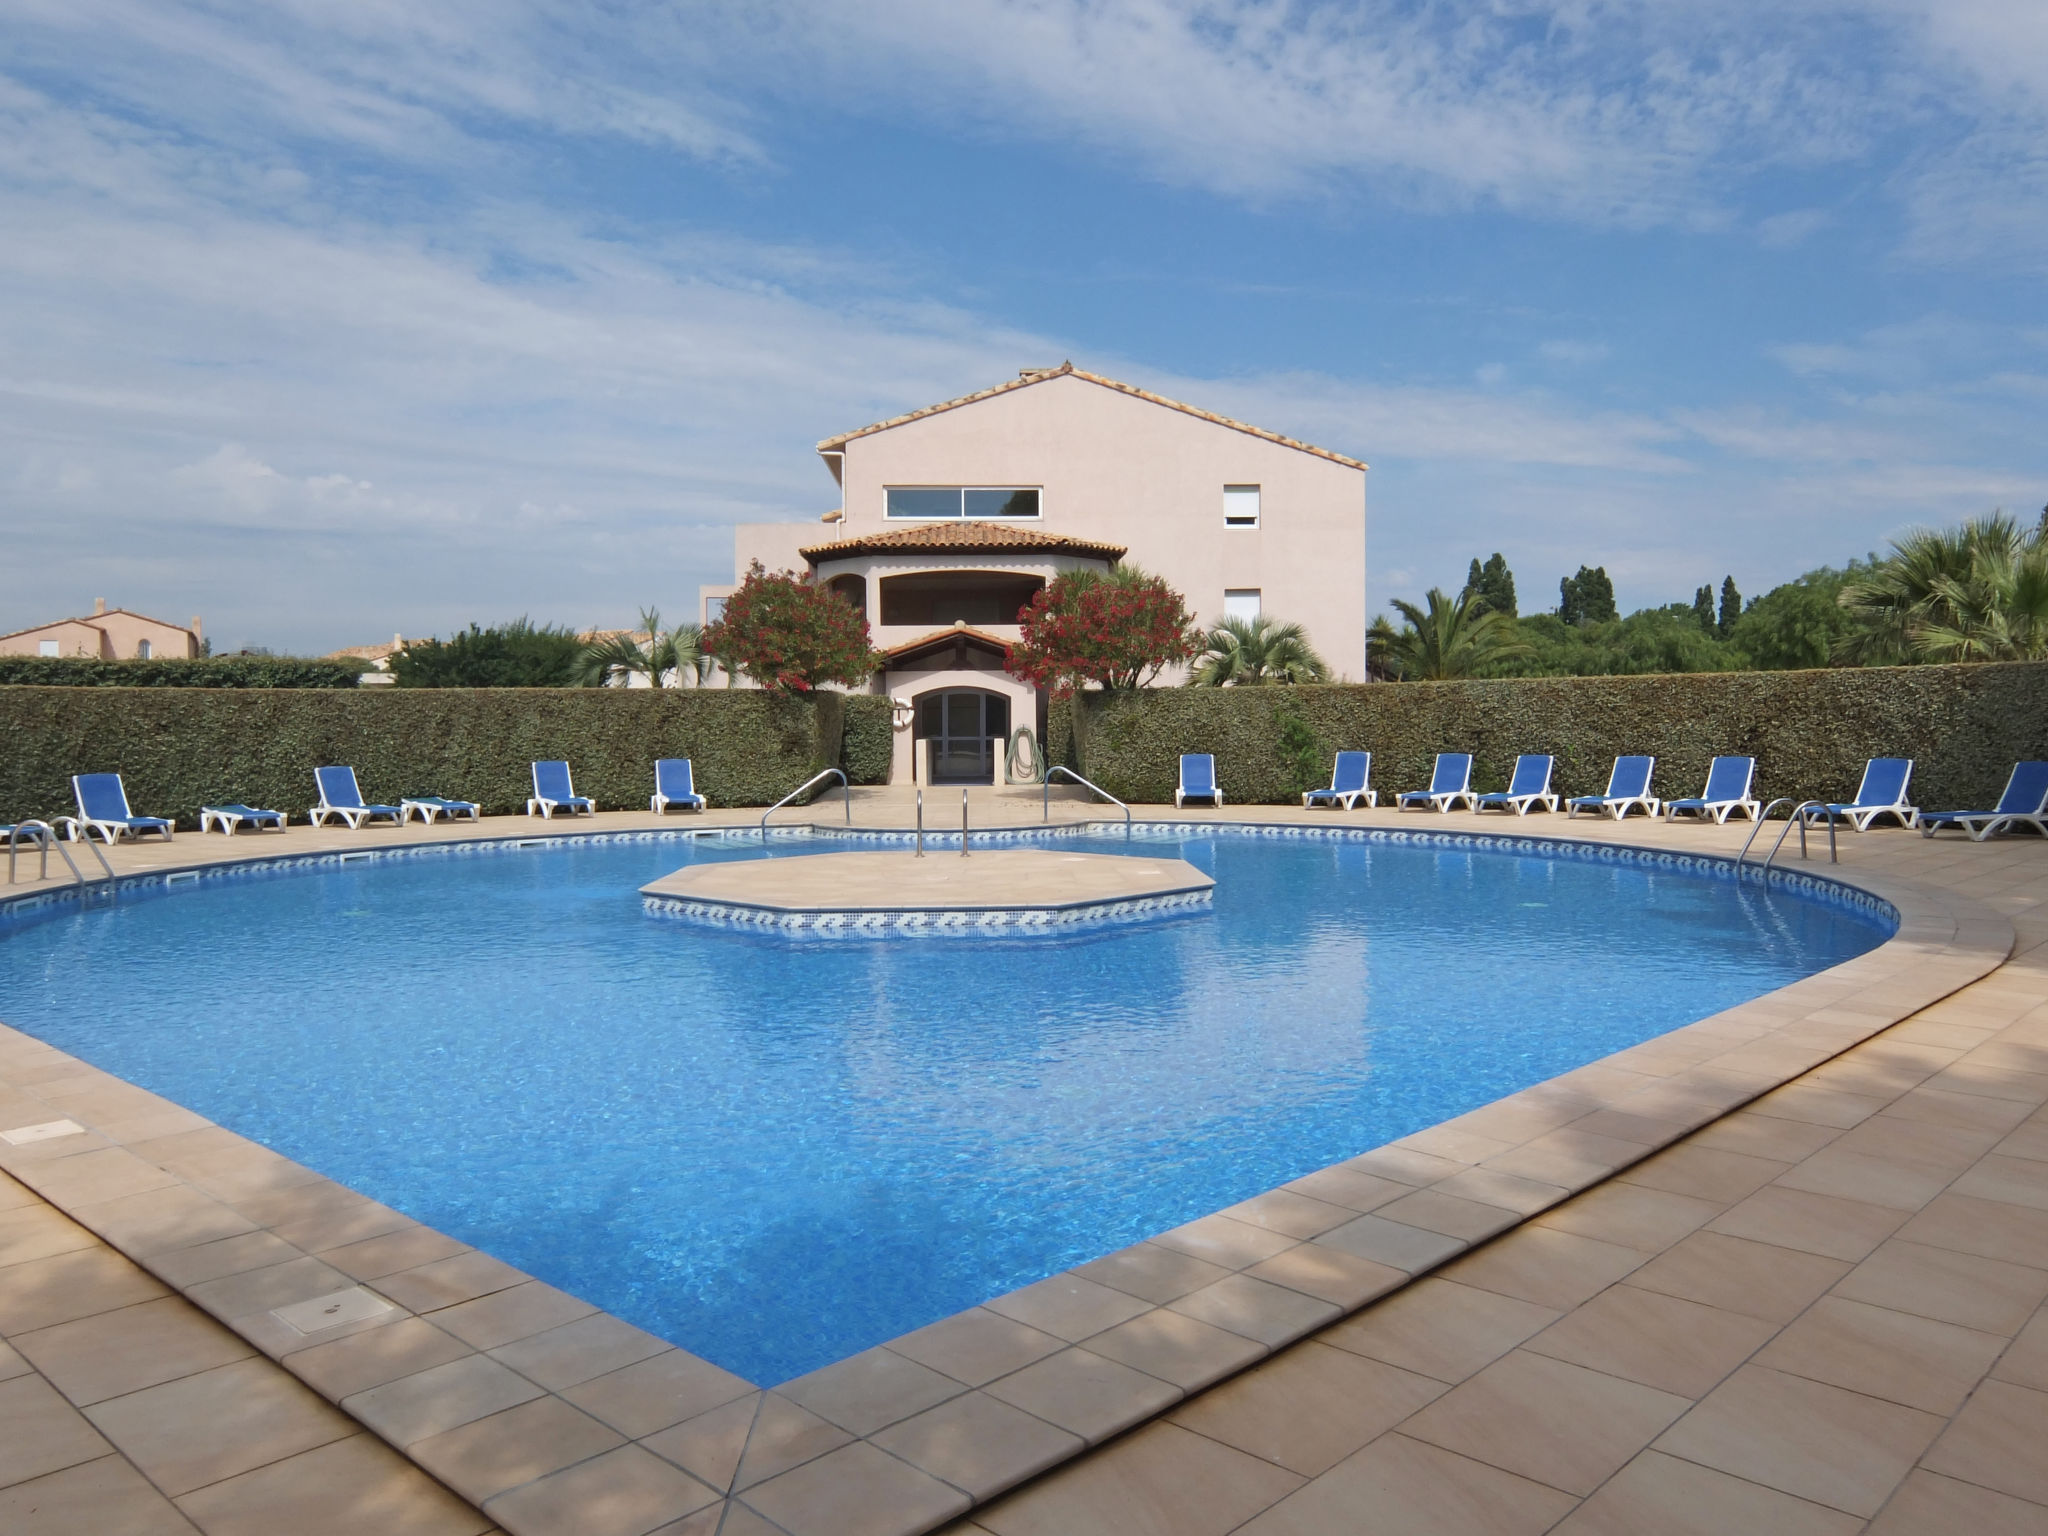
(953, 516)
(110, 634)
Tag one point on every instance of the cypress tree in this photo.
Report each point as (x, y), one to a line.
(1731, 606)
(1703, 607)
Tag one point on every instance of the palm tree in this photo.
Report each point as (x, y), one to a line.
(1974, 593)
(1244, 652)
(1449, 637)
(677, 653)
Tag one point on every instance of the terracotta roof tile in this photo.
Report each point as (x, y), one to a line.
(1040, 375)
(950, 632)
(950, 537)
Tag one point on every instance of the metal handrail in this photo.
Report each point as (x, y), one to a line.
(1046, 795)
(46, 838)
(1758, 826)
(829, 773)
(1799, 818)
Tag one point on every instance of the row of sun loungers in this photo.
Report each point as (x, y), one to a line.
(103, 809)
(1882, 792)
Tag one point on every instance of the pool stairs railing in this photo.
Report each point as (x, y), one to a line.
(1798, 819)
(45, 837)
(1046, 796)
(815, 779)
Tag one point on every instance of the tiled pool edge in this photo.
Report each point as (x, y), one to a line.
(909, 1434)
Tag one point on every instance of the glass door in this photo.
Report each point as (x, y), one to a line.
(964, 729)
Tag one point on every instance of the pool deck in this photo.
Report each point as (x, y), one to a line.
(1780, 1270)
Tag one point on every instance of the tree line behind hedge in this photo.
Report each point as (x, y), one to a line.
(180, 672)
(180, 748)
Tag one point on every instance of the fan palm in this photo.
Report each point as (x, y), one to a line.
(677, 653)
(1447, 637)
(1974, 593)
(1243, 652)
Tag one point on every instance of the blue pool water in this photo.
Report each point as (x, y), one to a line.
(777, 1152)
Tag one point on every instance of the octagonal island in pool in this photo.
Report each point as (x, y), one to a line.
(1010, 890)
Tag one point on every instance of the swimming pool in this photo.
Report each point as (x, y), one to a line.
(778, 1152)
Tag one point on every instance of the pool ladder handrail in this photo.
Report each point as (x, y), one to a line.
(829, 773)
(1045, 795)
(1797, 818)
(45, 836)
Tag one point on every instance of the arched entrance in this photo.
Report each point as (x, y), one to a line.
(960, 735)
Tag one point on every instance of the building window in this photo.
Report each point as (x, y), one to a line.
(932, 598)
(854, 589)
(976, 501)
(1240, 506)
(1241, 603)
(46, 648)
(714, 609)
(142, 650)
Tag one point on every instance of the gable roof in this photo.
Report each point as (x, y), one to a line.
(961, 633)
(92, 621)
(1032, 376)
(962, 538)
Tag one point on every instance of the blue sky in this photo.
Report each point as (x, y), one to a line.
(331, 321)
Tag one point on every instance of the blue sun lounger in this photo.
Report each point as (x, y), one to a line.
(430, 807)
(1528, 785)
(1350, 782)
(552, 792)
(1449, 782)
(1882, 793)
(2025, 800)
(1197, 779)
(1628, 786)
(1727, 792)
(674, 784)
(103, 808)
(230, 818)
(341, 796)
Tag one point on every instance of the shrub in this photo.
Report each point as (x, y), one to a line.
(180, 672)
(1116, 630)
(1810, 731)
(791, 635)
(520, 654)
(181, 748)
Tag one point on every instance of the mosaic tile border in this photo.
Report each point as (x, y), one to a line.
(993, 922)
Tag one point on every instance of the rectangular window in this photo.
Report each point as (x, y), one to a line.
(46, 648)
(1241, 603)
(975, 501)
(143, 650)
(1240, 506)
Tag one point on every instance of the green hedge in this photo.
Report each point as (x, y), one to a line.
(1810, 732)
(178, 749)
(205, 672)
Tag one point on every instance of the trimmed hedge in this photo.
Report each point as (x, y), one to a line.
(1810, 732)
(180, 672)
(178, 749)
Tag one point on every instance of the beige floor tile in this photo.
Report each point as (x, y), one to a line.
(232, 1255)
(1893, 1355)
(200, 1429)
(408, 1248)
(976, 1346)
(2014, 1180)
(1544, 1419)
(343, 1367)
(709, 1446)
(1349, 1187)
(1154, 1273)
(1931, 1106)
(1804, 1438)
(90, 1177)
(1997, 1441)
(1070, 1307)
(1546, 1266)
(1822, 1224)
(11, 1362)
(2028, 1141)
(106, 1497)
(1272, 1314)
(782, 1435)
(855, 1491)
(1930, 1505)
(978, 1443)
(482, 1459)
(44, 1292)
(1987, 1227)
(2025, 1362)
(1659, 1495)
(1290, 1213)
(259, 1290)
(626, 1492)
(1738, 1275)
(1222, 1240)
(1161, 1481)
(1086, 1393)
(1817, 1105)
(449, 1282)
(1329, 1274)
(1492, 1185)
(352, 1487)
(1307, 1408)
(1891, 1182)
(866, 1391)
(656, 1392)
(134, 1347)
(1440, 1329)
(40, 1433)
(1755, 1134)
(1661, 1341)
(440, 1398)
(37, 1231)
(1176, 1348)
(1952, 1287)
(1704, 1173)
(1648, 1220)
(1901, 1138)
(579, 1351)
(509, 1315)
(1393, 1243)
(1434, 1211)
(1414, 1489)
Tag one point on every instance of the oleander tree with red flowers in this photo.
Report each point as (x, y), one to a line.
(1117, 629)
(790, 635)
